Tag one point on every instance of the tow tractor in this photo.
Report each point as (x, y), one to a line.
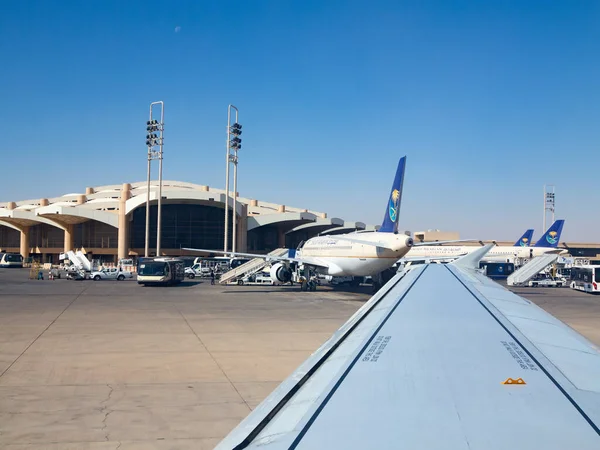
(547, 281)
(254, 279)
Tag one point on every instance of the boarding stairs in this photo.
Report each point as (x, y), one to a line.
(251, 267)
(79, 260)
(80, 264)
(531, 269)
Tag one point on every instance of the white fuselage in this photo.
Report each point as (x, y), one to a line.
(498, 252)
(347, 258)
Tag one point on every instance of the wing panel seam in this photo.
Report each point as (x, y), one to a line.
(263, 423)
(349, 368)
(554, 381)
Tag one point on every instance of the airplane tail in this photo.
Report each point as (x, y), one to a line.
(525, 240)
(552, 236)
(392, 210)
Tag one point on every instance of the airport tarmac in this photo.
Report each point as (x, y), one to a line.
(107, 365)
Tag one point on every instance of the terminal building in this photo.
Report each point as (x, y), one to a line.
(108, 223)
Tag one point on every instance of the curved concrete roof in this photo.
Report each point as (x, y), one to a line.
(74, 214)
(201, 196)
(372, 227)
(102, 204)
(291, 218)
(319, 225)
(25, 218)
(10, 225)
(348, 227)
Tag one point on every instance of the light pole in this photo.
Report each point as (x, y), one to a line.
(549, 202)
(233, 143)
(153, 140)
(236, 144)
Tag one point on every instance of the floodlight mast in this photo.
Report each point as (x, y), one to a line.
(153, 140)
(233, 143)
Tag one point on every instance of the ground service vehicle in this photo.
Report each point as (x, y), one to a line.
(586, 278)
(217, 263)
(196, 271)
(342, 280)
(256, 278)
(160, 271)
(237, 262)
(497, 270)
(547, 282)
(110, 274)
(11, 260)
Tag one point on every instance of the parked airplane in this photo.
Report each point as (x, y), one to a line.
(441, 357)
(547, 244)
(353, 254)
(525, 240)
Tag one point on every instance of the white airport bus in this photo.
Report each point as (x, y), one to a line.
(11, 260)
(213, 262)
(586, 278)
(165, 271)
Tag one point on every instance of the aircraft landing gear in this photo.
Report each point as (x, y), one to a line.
(377, 283)
(308, 285)
(307, 280)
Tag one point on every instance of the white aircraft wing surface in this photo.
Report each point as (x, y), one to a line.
(440, 358)
(430, 243)
(430, 258)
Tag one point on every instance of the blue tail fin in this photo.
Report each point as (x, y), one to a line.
(552, 236)
(525, 240)
(392, 209)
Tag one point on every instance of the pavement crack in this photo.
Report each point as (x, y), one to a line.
(107, 412)
(45, 329)
(215, 360)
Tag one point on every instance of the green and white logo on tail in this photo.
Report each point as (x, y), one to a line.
(395, 197)
(552, 236)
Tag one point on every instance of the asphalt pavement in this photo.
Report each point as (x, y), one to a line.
(107, 365)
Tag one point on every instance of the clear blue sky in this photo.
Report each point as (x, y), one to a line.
(488, 99)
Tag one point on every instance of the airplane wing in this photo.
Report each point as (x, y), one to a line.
(455, 241)
(430, 258)
(311, 261)
(440, 358)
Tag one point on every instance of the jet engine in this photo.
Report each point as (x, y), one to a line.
(281, 273)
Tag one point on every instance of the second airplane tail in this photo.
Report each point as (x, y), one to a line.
(525, 240)
(392, 209)
(552, 236)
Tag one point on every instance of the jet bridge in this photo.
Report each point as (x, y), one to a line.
(251, 267)
(531, 269)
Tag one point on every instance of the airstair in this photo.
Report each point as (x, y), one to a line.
(251, 267)
(79, 260)
(531, 269)
(80, 264)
